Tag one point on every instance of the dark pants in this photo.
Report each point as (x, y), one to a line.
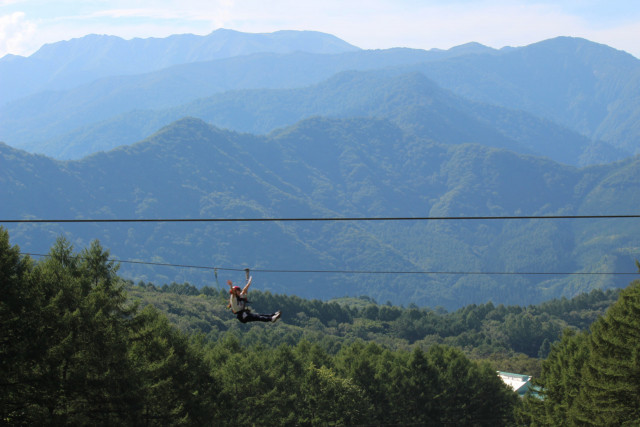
(247, 316)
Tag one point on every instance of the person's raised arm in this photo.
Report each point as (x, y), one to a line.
(246, 287)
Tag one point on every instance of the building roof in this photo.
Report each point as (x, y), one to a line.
(519, 383)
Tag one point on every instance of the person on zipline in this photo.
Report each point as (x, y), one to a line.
(238, 303)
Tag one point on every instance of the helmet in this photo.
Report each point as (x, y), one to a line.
(235, 288)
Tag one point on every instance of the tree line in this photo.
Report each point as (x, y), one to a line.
(516, 336)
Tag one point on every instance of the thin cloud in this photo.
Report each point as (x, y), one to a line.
(15, 31)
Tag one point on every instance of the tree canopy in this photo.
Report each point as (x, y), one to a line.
(75, 349)
(591, 378)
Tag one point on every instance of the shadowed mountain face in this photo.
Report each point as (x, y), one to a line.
(335, 168)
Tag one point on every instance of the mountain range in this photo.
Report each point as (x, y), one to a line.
(569, 85)
(68, 64)
(301, 124)
(336, 168)
(412, 101)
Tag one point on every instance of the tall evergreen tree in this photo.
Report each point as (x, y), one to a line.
(468, 393)
(175, 385)
(610, 393)
(560, 380)
(74, 351)
(593, 378)
(20, 344)
(86, 374)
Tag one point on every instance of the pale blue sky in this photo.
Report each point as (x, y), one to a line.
(25, 25)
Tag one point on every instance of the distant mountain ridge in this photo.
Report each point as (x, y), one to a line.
(66, 64)
(585, 86)
(581, 86)
(412, 101)
(331, 168)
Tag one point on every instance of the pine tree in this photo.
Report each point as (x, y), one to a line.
(331, 399)
(175, 385)
(85, 374)
(422, 385)
(19, 340)
(73, 351)
(610, 393)
(560, 380)
(467, 393)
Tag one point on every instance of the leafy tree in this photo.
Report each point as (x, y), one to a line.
(175, 384)
(469, 394)
(420, 391)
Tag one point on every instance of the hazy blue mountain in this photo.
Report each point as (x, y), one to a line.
(584, 87)
(411, 101)
(68, 64)
(335, 167)
(60, 112)
(31, 121)
(588, 87)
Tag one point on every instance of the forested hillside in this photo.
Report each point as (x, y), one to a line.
(510, 338)
(81, 346)
(583, 85)
(334, 168)
(74, 351)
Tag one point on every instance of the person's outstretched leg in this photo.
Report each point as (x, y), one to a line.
(245, 317)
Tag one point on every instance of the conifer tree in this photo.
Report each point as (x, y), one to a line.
(73, 351)
(593, 378)
(610, 393)
(331, 399)
(175, 385)
(560, 380)
(19, 339)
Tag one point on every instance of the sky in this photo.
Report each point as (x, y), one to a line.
(25, 25)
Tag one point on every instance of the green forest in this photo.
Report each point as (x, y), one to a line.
(331, 168)
(81, 345)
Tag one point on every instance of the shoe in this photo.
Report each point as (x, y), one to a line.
(275, 316)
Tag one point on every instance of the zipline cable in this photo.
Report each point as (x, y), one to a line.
(310, 219)
(443, 218)
(496, 273)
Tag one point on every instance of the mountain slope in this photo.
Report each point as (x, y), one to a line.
(333, 168)
(31, 120)
(585, 86)
(411, 101)
(67, 64)
(582, 86)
